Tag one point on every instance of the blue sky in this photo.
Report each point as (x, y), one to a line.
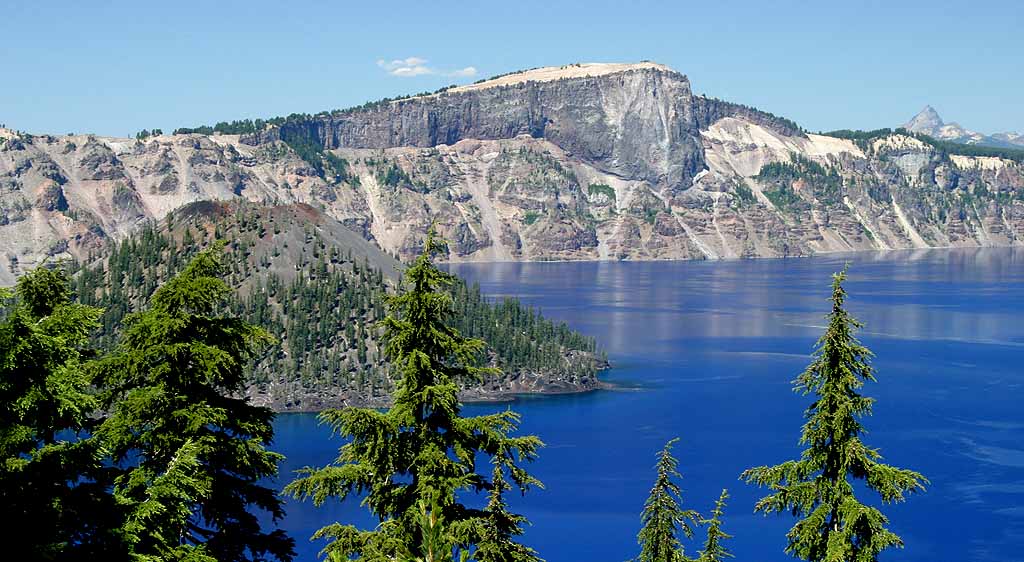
(114, 67)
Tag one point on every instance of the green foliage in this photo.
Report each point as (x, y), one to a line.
(745, 194)
(438, 544)
(321, 306)
(530, 217)
(239, 127)
(943, 146)
(195, 453)
(731, 108)
(663, 517)
(50, 472)
(783, 198)
(522, 339)
(540, 182)
(834, 524)
(603, 189)
(422, 451)
(827, 183)
(340, 168)
(252, 126)
(714, 550)
(853, 135)
(166, 506)
(391, 175)
(790, 171)
(949, 147)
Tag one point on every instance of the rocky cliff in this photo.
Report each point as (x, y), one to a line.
(598, 161)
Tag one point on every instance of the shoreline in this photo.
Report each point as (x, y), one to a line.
(486, 397)
(830, 253)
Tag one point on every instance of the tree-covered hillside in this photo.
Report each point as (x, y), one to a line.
(319, 289)
(863, 138)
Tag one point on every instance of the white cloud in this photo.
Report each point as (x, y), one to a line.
(418, 70)
(467, 72)
(411, 66)
(417, 66)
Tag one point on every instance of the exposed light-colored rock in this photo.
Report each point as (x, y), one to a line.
(980, 162)
(551, 73)
(596, 162)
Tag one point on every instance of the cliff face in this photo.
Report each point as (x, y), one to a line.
(637, 123)
(575, 162)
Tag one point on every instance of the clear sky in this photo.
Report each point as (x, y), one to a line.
(115, 67)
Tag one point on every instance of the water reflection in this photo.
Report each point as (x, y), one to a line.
(716, 343)
(712, 348)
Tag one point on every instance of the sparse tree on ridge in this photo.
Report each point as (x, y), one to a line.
(835, 526)
(412, 460)
(663, 517)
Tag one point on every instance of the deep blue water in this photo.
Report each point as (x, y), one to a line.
(706, 351)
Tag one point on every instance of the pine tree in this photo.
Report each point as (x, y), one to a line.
(501, 527)
(51, 474)
(195, 453)
(422, 451)
(714, 551)
(835, 525)
(663, 517)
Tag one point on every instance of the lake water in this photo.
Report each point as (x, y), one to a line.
(706, 351)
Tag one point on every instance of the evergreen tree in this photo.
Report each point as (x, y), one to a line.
(835, 526)
(51, 475)
(501, 527)
(714, 551)
(422, 451)
(193, 452)
(663, 517)
(317, 309)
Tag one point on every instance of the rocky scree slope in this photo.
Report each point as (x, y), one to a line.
(319, 289)
(591, 161)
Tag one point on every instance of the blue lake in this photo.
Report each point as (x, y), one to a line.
(706, 351)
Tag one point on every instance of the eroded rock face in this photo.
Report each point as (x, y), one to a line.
(638, 123)
(580, 162)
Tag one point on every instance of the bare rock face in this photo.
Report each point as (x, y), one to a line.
(592, 162)
(927, 121)
(637, 123)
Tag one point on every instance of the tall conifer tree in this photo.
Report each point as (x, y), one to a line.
(414, 458)
(714, 550)
(51, 476)
(663, 517)
(835, 526)
(194, 452)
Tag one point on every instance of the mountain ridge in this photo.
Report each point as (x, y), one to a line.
(627, 163)
(928, 122)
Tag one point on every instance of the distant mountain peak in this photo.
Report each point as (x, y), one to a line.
(926, 121)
